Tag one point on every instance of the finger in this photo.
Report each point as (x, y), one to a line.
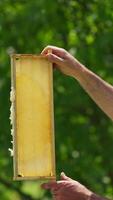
(64, 177)
(55, 59)
(56, 197)
(50, 185)
(55, 50)
(54, 66)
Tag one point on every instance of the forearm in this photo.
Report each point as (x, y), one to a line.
(96, 197)
(99, 90)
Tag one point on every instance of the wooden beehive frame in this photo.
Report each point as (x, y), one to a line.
(23, 167)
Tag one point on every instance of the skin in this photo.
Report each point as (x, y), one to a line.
(69, 189)
(101, 92)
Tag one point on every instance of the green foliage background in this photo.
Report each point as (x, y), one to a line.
(84, 135)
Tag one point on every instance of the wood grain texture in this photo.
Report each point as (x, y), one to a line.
(34, 149)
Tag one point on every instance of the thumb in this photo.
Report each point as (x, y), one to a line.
(64, 177)
(49, 185)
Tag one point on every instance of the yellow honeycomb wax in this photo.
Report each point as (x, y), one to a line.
(33, 124)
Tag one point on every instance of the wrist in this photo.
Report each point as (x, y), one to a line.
(79, 71)
(96, 197)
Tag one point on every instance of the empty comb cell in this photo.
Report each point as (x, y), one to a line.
(32, 117)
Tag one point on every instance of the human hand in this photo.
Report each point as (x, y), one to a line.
(67, 189)
(63, 60)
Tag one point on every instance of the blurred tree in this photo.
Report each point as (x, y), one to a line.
(84, 135)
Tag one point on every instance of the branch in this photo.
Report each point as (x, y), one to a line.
(23, 195)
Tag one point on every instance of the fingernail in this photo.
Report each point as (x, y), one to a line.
(49, 55)
(62, 174)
